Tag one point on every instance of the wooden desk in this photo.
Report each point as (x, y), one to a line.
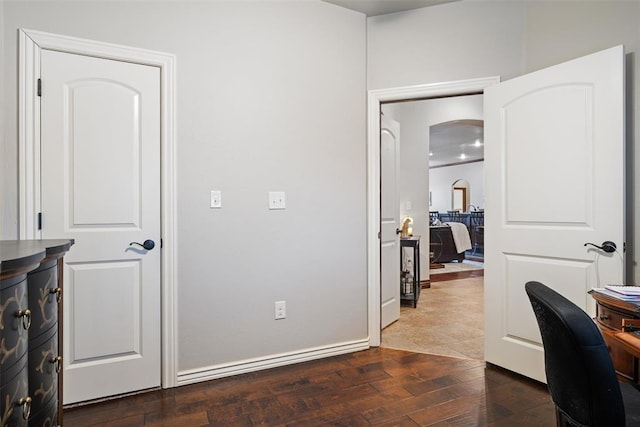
(623, 346)
(628, 341)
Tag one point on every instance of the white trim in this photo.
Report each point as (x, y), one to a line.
(31, 45)
(251, 365)
(376, 97)
(28, 138)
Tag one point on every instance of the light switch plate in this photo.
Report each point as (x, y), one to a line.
(277, 200)
(216, 199)
(281, 310)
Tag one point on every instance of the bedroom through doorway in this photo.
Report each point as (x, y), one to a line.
(440, 188)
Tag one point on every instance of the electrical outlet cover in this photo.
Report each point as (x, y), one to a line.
(277, 200)
(216, 199)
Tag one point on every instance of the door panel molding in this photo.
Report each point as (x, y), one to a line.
(579, 116)
(389, 221)
(31, 45)
(375, 98)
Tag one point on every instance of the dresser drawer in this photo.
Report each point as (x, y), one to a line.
(46, 416)
(43, 298)
(14, 410)
(609, 318)
(15, 322)
(44, 366)
(625, 363)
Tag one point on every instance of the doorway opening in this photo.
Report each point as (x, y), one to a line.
(377, 99)
(440, 177)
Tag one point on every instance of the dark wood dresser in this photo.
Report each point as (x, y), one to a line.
(31, 332)
(610, 313)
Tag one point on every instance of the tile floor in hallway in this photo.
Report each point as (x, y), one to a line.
(448, 321)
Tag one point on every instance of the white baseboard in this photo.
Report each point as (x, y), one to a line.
(250, 365)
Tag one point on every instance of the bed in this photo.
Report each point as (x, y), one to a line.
(442, 243)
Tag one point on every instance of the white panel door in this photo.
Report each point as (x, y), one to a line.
(389, 221)
(554, 165)
(101, 186)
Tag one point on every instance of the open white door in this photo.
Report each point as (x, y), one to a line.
(554, 162)
(389, 221)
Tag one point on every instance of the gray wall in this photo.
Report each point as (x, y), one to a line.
(441, 181)
(443, 43)
(469, 39)
(270, 97)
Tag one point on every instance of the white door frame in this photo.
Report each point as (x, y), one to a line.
(376, 97)
(31, 45)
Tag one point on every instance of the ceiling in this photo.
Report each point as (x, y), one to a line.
(450, 140)
(382, 7)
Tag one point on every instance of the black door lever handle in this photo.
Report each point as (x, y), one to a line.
(148, 244)
(607, 246)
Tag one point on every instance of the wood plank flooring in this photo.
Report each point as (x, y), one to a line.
(456, 275)
(379, 386)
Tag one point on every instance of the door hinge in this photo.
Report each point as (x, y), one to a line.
(161, 244)
(39, 220)
(379, 234)
(39, 87)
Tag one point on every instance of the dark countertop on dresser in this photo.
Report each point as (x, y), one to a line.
(19, 255)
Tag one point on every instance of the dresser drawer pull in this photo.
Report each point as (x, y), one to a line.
(58, 361)
(26, 318)
(58, 292)
(25, 402)
(605, 317)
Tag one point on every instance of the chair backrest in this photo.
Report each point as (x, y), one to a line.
(453, 216)
(433, 216)
(477, 218)
(580, 374)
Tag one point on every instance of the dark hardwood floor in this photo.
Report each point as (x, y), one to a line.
(456, 275)
(381, 387)
(443, 277)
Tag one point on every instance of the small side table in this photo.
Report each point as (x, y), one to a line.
(411, 297)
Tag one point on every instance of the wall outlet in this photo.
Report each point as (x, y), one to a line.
(216, 199)
(281, 309)
(276, 200)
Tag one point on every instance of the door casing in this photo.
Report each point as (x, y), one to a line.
(31, 44)
(375, 99)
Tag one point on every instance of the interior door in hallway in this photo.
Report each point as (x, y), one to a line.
(389, 221)
(100, 170)
(554, 162)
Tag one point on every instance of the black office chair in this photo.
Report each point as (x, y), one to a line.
(580, 374)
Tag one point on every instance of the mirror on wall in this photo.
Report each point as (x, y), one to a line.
(461, 195)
